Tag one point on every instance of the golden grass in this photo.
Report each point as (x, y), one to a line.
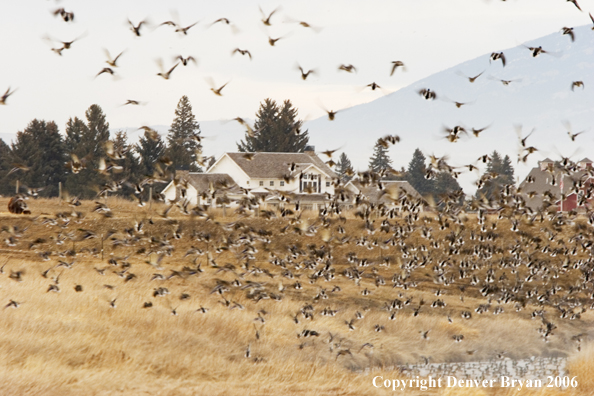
(75, 343)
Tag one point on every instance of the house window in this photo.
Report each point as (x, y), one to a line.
(327, 184)
(305, 176)
(271, 183)
(282, 183)
(261, 183)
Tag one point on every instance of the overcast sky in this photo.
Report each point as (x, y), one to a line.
(427, 35)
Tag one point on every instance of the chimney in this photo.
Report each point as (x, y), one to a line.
(310, 150)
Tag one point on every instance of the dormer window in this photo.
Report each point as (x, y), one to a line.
(261, 183)
(271, 183)
(282, 183)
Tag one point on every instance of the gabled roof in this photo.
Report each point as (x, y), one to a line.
(276, 165)
(542, 184)
(203, 181)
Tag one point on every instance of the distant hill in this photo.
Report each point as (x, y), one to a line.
(539, 96)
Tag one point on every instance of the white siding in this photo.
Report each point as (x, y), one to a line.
(228, 166)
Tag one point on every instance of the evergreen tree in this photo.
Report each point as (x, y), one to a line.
(416, 172)
(380, 160)
(87, 142)
(149, 151)
(40, 147)
(444, 183)
(5, 166)
(75, 128)
(507, 171)
(97, 132)
(344, 168)
(131, 165)
(276, 130)
(502, 173)
(182, 143)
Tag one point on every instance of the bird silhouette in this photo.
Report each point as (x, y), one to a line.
(395, 65)
(166, 75)
(216, 90)
(136, 28)
(5, 96)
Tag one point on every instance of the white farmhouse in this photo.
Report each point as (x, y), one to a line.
(302, 175)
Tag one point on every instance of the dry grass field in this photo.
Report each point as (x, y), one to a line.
(223, 305)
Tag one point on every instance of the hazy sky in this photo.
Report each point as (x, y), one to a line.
(427, 35)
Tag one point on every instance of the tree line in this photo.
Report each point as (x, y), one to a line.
(85, 158)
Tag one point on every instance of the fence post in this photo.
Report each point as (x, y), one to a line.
(18, 186)
(60, 191)
(150, 198)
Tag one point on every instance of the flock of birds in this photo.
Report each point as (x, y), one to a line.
(506, 261)
(502, 259)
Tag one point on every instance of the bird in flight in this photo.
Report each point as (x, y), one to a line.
(347, 68)
(305, 74)
(184, 61)
(66, 16)
(167, 74)
(427, 93)
(106, 70)
(112, 62)
(577, 84)
(471, 79)
(576, 4)
(373, 86)
(497, 56)
(266, 19)
(272, 41)
(131, 102)
(242, 52)
(213, 87)
(5, 96)
(184, 30)
(569, 32)
(136, 28)
(395, 65)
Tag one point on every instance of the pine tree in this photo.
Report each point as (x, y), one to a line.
(344, 168)
(131, 165)
(444, 184)
(149, 151)
(182, 143)
(75, 128)
(380, 160)
(87, 142)
(507, 171)
(502, 173)
(97, 132)
(41, 148)
(5, 166)
(275, 130)
(416, 173)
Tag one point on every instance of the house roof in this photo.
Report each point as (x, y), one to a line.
(203, 181)
(276, 165)
(542, 184)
